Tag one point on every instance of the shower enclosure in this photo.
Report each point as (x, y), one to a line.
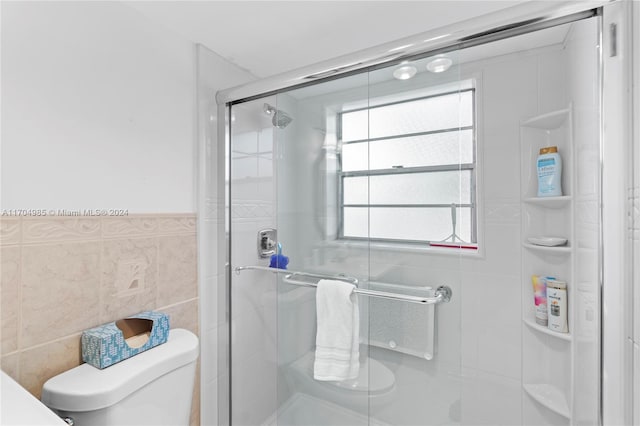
(416, 179)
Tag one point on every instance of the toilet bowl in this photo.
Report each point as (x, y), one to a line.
(151, 388)
(375, 381)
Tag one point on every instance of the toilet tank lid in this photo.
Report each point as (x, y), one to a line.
(86, 388)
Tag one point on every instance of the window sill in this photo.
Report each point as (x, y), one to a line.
(408, 248)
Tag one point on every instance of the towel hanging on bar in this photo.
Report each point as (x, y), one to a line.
(337, 338)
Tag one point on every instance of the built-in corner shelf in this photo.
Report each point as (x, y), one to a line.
(548, 121)
(545, 330)
(549, 202)
(560, 250)
(550, 397)
(548, 388)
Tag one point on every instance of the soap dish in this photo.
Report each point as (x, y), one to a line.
(547, 241)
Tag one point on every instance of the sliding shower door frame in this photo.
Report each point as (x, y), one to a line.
(505, 24)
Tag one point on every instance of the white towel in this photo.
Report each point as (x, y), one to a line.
(337, 339)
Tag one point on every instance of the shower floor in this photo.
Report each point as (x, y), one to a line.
(306, 410)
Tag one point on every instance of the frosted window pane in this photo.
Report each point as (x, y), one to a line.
(425, 224)
(355, 125)
(356, 222)
(420, 188)
(356, 190)
(426, 150)
(422, 115)
(355, 156)
(390, 124)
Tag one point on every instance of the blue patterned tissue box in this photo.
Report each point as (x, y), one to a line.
(110, 343)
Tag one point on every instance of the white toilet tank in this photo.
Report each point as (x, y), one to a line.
(151, 388)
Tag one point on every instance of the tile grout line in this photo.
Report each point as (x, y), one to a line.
(101, 282)
(78, 334)
(20, 301)
(94, 240)
(43, 344)
(156, 237)
(183, 302)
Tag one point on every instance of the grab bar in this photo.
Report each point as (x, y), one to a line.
(442, 294)
(289, 273)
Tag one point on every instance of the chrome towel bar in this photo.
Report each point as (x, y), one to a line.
(442, 293)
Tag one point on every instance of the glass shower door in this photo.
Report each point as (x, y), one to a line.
(368, 172)
(421, 208)
(407, 178)
(252, 310)
(309, 221)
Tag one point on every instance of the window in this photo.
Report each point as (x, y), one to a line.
(407, 170)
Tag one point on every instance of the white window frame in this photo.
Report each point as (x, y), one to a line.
(473, 166)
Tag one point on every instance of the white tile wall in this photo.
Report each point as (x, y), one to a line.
(491, 324)
(489, 399)
(553, 94)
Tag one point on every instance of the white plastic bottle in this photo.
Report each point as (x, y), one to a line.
(549, 166)
(557, 306)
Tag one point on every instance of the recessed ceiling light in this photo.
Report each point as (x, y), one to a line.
(405, 72)
(439, 64)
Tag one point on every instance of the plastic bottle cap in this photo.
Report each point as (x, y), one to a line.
(548, 149)
(556, 284)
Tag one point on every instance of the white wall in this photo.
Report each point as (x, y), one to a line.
(97, 109)
(582, 72)
(214, 74)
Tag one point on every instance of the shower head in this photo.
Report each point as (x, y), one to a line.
(279, 119)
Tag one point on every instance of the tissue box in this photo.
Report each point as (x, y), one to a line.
(116, 341)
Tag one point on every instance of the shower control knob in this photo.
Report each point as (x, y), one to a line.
(267, 242)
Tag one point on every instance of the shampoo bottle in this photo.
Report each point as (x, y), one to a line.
(540, 299)
(549, 172)
(557, 306)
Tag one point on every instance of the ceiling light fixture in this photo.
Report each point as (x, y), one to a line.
(405, 72)
(439, 64)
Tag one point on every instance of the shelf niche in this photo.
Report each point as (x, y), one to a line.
(547, 363)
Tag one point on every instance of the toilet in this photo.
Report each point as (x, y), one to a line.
(154, 387)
